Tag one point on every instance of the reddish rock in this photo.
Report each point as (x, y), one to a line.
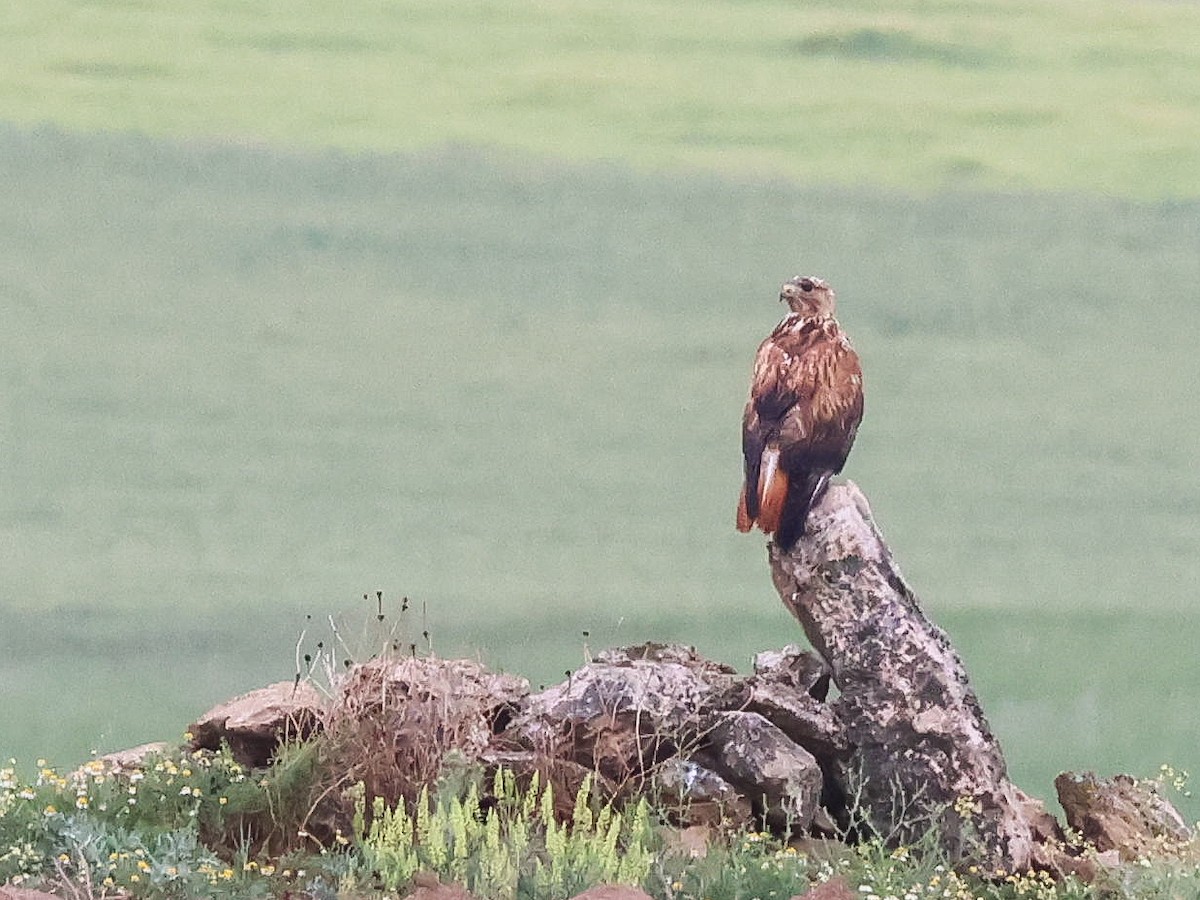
(396, 722)
(833, 889)
(692, 842)
(450, 704)
(439, 891)
(1121, 814)
(613, 892)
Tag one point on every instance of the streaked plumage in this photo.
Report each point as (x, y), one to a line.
(806, 401)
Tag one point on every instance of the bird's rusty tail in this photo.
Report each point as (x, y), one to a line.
(772, 490)
(744, 522)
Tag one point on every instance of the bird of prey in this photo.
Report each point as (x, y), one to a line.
(806, 401)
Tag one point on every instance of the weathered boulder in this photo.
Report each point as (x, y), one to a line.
(789, 687)
(922, 754)
(121, 762)
(626, 711)
(767, 766)
(1121, 814)
(800, 669)
(255, 724)
(692, 796)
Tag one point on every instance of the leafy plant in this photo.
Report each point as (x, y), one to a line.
(514, 847)
(178, 826)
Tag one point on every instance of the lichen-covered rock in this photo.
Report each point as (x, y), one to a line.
(625, 711)
(255, 724)
(1121, 814)
(693, 795)
(796, 668)
(788, 687)
(766, 765)
(922, 754)
(803, 718)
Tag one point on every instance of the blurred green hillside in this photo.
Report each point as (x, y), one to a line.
(458, 301)
(1092, 95)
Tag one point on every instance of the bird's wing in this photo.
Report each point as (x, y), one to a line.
(770, 399)
(772, 390)
(825, 379)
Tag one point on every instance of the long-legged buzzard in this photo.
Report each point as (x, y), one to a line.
(805, 404)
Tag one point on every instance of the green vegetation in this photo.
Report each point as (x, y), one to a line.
(142, 832)
(201, 825)
(515, 848)
(1100, 96)
(193, 825)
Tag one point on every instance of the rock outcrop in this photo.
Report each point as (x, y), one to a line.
(921, 754)
(877, 732)
(255, 724)
(1121, 814)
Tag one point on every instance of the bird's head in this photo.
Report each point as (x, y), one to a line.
(808, 296)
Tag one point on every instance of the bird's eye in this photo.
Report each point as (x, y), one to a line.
(806, 285)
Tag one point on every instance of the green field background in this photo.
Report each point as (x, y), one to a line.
(458, 302)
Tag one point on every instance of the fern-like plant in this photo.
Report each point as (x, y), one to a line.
(515, 848)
